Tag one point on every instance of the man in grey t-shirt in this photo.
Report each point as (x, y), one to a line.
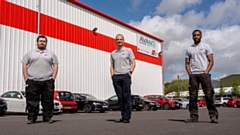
(199, 62)
(40, 67)
(121, 69)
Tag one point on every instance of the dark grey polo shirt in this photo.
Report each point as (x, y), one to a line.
(121, 60)
(40, 64)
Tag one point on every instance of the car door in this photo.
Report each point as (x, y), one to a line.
(15, 101)
(113, 103)
(79, 100)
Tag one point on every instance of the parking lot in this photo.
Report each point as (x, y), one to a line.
(159, 122)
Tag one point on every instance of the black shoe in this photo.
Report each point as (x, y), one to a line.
(214, 118)
(126, 121)
(30, 122)
(118, 121)
(192, 119)
(48, 121)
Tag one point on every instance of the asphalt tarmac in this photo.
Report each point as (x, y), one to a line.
(160, 122)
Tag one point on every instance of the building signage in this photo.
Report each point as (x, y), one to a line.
(148, 46)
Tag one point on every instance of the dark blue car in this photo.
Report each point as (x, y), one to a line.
(3, 106)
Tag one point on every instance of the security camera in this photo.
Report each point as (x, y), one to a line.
(95, 29)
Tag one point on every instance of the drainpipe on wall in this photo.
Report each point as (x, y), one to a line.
(39, 13)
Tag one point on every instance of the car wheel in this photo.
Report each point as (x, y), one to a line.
(146, 107)
(26, 110)
(102, 111)
(166, 106)
(87, 108)
(187, 106)
(224, 105)
(2, 113)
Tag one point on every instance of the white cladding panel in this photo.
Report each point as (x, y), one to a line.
(30, 4)
(81, 69)
(79, 16)
(14, 44)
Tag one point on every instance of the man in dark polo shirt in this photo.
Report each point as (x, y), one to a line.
(40, 67)
(121, 69)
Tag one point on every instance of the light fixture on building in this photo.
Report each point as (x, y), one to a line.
(95, 29)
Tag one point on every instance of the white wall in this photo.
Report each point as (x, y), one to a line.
(81, 69)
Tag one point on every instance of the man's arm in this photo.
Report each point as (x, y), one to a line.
(25, 72)
(133, 65)
(111, 69)
(55, 71)
(187, 66)
(210, 63)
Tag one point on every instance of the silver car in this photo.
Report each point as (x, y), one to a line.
(183, 101)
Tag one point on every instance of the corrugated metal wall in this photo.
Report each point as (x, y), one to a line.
(84, 56)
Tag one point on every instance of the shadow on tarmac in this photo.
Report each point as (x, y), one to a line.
(178, 120)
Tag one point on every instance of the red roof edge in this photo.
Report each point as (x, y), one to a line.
(113, 19)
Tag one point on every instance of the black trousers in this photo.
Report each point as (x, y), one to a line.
(40, 91)
(205, 81)
(122, 86)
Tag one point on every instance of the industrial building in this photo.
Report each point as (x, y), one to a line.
(82, 38)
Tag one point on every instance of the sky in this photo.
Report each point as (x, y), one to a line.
(174, 20)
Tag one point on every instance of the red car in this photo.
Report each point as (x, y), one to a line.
(164, 102)
(67, 100)
(201, 102)
(232, 102)
(238, 101)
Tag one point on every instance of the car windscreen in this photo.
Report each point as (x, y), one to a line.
(65, 96)
(23, 93)
(87, 97)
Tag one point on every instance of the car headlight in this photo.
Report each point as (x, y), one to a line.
(151, 103)
(96, 103)
(56, 104)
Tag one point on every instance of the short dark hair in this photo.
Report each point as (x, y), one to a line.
(41, 36)
(120, 35)
(196, 31)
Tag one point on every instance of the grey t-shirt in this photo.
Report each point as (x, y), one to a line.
(40, 64)
(121, 60)
(198, 57)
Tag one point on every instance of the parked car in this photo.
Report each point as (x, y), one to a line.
(238, 102)
(232, 102)
(137, 102)
(201, 103)
(221, 101)
(183, 101)
(3, 107)
(16, 102)
(67, 100)
(150, 105)
(89, 103)
(164, 102)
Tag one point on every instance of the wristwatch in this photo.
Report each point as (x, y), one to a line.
(130, 72)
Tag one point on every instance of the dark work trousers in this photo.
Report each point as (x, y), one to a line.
(36, 91)
(122, 86)
(205, 81)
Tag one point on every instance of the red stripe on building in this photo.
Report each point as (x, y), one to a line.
(22, 18)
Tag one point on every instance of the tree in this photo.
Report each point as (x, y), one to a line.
(235, 88)
(221, 92)
(174, 86)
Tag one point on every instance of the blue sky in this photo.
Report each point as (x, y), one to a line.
(174, 20)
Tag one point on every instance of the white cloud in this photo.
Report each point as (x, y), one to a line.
(136, 4)
(170, 7)
(176, 31)
(224, 13)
